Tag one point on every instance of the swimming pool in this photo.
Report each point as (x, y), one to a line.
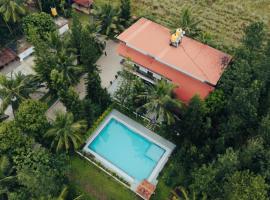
(131, 152)
(128, 148)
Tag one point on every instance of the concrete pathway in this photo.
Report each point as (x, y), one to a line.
(25, 67)
(58, 106)
(109, 66)
(81, 87)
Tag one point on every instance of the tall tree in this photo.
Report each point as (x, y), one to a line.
(108, 18)
(41, 23)
(15, 89)
(76, 35)
(95, 92)
(130, 87)
(189, 23)
(208, 179)
(31, 119)
(56, 63)
(244, 185)
(66, 72)
(12, 141)
(41, 173)
(90, 49)
(254, 36)
(11, 11)
(160, 104)
(125, 12)
(195, 123)
(65, 134)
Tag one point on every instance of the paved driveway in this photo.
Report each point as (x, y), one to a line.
(110, 64)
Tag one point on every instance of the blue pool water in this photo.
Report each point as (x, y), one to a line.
(127, 150)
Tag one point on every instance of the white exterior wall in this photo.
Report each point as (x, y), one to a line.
(26, 53)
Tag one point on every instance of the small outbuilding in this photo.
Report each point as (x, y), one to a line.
(7, 56)
(84, 6)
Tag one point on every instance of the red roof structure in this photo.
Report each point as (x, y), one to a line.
(84, 3)
(194, 67)
(7, 56)
(145, 189)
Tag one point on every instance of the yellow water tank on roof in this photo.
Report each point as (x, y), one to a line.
(174, 37)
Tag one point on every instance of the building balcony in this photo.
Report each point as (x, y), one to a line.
(142, 72)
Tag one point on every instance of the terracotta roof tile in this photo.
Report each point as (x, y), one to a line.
(192, 58)
(7, 56)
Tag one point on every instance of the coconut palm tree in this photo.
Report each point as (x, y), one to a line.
(160, 104)
(68, 72)
(11, 11)
(65, 134)
(56, 63)
(108, 18)
(15, 89)
(65, 67)
(189, 23)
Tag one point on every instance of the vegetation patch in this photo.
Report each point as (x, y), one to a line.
(96, 183)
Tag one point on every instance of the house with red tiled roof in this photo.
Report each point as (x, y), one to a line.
(83, 5)
(195, 68)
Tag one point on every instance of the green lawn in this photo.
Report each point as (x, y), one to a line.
(88, 179)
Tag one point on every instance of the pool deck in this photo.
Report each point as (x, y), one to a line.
(143, 131)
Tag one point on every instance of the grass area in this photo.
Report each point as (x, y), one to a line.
(223, 20)
(95, 184)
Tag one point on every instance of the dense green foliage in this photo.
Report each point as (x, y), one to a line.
(95, 92)
(125, 12)
(245, 185)
(130, 86)
(160, 103)
(31, 119)
(15, 89)
(35, 172)
(108, 19)
(41, 23)
(11, 10)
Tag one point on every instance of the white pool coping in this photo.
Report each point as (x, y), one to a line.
(139, 129)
